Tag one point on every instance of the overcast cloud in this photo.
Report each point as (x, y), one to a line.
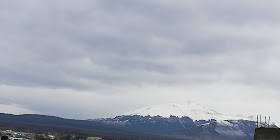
(100, 58)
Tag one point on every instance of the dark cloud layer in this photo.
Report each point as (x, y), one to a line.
(115, 49)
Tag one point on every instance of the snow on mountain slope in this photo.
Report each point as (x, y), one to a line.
(191, 109)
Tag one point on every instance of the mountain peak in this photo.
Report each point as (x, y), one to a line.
(191, 109)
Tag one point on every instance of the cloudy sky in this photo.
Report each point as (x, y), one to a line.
(101, 58)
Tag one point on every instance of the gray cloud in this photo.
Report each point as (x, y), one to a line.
(115, 49)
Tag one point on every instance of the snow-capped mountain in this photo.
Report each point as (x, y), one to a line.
(189, 120)
(191, 109)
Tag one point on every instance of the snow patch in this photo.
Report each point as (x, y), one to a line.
(224, 123)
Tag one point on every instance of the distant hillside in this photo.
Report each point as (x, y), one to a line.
(43, 123)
